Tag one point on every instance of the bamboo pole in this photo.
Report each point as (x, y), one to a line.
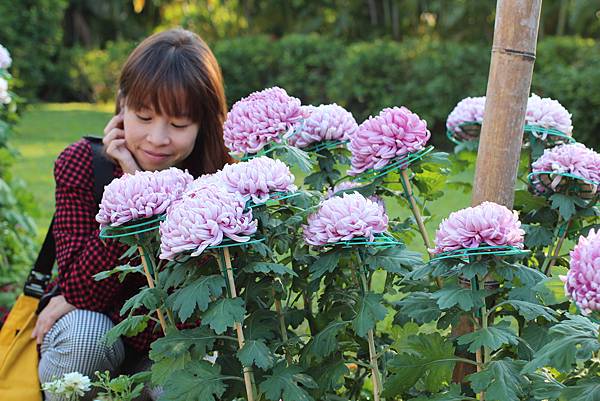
(161, 317)
(509, 82)
(248, 375)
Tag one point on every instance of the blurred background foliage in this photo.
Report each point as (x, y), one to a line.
(363, 55)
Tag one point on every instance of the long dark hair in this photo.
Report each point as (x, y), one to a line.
(176, 73)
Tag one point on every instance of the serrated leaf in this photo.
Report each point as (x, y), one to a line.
(501, 380)
(122, 271)
(420, 307)
(293, 156)
(551, 290)
(179, 342)
(454, 393)
(421, 357)
(492, 337)
(224, 313)
(565, 205)
(287, 383)
(397, 260)
(276, 268)
(471, 270)
(198, 381)
(531, 311)
(465, 298)
(130, 327)
(150, 298)
(369, 311)
(255, 352)
(326, 263)
(331, 375)
(570, 340)
(526, 275)
(585, 390)
(544, 386)
(324, 343)
(261, 324)
(536, 235)
(196, 295)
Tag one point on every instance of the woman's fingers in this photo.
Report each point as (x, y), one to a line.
(115, 122)
(115, 133)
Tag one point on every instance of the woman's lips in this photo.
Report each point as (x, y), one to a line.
(155, 156)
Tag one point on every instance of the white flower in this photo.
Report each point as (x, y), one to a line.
(5, 60)
(56, 386)
(76, 383)
(4, 96)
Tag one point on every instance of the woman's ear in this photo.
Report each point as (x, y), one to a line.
(119, 102)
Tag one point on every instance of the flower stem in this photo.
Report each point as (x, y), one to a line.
(552, 259)
(145, 262)
(282, 328)
(248, 374)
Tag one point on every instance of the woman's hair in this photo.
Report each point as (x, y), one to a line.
(175, 73)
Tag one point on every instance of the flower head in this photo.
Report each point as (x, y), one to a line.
(582, 283)
(342, 218)
(5, 97)
(203, 218)
(395, 132)
(140, 195)
(328, 122)
(257, 178)
(572, 158)
(5, 60)
(259, 119)
(75, 383)
(487, 223)
(470, 109)
(548, 113)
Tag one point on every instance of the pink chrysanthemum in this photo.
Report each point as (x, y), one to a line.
(257, 178)
(5, 60)
(259, 119)
(343, 218)
(328, 122)
(582, 283)
(140, 195)
(202, 219)
(469, 109)
(572, 158)
(548, 113)
(487, 223)
(344, 185)
(394, 133)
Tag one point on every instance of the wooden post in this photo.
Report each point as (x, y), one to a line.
(509, 83)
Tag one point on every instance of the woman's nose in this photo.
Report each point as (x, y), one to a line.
(158, 135)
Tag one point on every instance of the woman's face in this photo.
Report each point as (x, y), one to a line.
(158, 142)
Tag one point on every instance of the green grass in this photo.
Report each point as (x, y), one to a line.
(46, 129)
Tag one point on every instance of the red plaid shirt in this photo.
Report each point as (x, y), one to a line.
(79, 251)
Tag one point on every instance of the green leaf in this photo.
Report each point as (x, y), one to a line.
(492, 337)
(465, 298)
(565, 205)
(130, 327)
(527, 276)
(324, 343)
(224, 313)
(585, 390)
(174, 351)
(551, 290)
(570, 340)
(255, 352)
(369, 312)
(528, 202)
(544, 386)
(536, 235)
(330, 376)
(501, 380)
(199, 381)
(122, 271)
(454, 393)
(326, 263)
(471, 270)
(420, 306)
(398, 260)
(287, 383)
(197, 294)
(422, 357)
(293, 156)
(531, 311)
(150, 298)
(264, 267)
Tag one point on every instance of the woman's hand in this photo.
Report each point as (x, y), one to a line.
(114, 144)
(56, 308)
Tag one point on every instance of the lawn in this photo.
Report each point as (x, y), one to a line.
(46, 129)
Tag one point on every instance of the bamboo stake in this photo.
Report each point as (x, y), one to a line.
(556, 252)
(248, 375)
(372, 350)
(161, 317)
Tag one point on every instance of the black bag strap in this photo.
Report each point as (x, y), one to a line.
(103, 173)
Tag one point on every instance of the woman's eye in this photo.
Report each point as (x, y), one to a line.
(179, 125)
(143, 118)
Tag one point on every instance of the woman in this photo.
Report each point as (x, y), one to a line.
(170, 112)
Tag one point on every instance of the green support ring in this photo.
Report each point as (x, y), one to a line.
(482, 250)
(140, 226)
(401, 163)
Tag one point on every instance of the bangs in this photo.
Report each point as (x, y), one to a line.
(166, 85)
